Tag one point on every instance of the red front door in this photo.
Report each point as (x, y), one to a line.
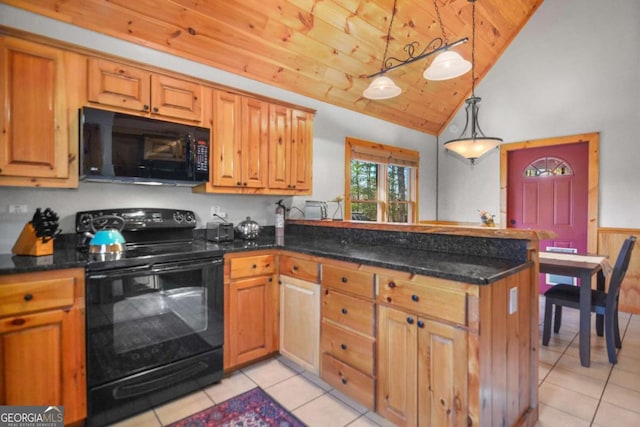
(548, 190)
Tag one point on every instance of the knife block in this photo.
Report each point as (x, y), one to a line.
(29, 244)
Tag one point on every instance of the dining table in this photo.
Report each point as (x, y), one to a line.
(584, 267)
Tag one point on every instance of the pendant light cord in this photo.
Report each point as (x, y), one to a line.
(386, 46)
(473, 48)
(444, 35)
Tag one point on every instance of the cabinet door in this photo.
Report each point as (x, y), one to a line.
(177, 98)
(442, 366)
(226, 145)
(300, 322)
(118, 85)
(255, 134)
(28, 345)
(279, 147)
(301, 150)
(251, 319)
(34, 141)
(397, 366)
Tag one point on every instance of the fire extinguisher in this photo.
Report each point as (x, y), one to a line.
(280, 210)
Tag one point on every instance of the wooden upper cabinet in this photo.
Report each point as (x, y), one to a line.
(34, 136)
(290, 148)
(301, 150)
(279, 146)
(239, 141)
(255, 133)
(135, 89)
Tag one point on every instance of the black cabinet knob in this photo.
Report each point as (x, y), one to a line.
(254, 266)
(344, 380)
(344, 279)
(343, 346)
(513, 222)
(294, 268)
(145, 107)
(415, 298)
(410, 320)
(420, 324)
(28, 297)
(344, 311)
(155, 109)
(392, 285)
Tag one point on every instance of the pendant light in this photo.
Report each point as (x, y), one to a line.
(473, 144)
(447, 65)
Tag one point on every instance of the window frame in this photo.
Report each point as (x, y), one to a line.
(384, 155)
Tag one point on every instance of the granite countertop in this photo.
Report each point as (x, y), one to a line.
(466, 268)
(479, 270)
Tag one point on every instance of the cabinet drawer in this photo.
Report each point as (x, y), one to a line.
(348, 311)
(36, 295)
(423, 298)
(348, 380)
(299, 268)
(252, 266)
(357, 282)
(349, 347)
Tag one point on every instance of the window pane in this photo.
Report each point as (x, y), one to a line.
(398, 179)
(361, 211)
(398, 212)
(364, 181)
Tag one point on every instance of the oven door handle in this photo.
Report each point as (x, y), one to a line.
(183, 265)
(120, 272)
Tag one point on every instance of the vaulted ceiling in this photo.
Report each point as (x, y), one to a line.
(323, 49)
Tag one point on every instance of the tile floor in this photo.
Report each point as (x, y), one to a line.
(569, 395)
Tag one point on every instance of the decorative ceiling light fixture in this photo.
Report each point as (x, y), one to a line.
(474, 144)
(447, 65)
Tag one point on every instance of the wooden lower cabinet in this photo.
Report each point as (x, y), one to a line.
(422, 370)
(251, 308)
(348, 330)
(42, 347)
(300, 322)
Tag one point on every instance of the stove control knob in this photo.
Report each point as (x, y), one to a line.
(85, 221)
(178, 217)
(189, 217)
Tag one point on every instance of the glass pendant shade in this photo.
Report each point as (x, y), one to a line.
(447, 65)
(382, 88)
(473, 144)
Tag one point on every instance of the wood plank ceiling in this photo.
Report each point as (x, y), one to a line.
(323, 49)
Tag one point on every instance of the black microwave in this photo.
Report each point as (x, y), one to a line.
(117, 147)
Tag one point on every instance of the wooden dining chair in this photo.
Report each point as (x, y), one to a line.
(602, 303)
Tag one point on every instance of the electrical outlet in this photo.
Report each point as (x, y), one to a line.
(17, 209)
(216, 212)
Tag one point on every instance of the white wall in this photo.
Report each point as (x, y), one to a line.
(332, 125)
(574, 68)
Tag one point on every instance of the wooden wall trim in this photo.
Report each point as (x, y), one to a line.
(609, 243)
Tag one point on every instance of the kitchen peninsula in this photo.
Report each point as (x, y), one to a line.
(450, 314)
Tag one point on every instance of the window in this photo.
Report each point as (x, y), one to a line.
(380, 182)
(547, 166)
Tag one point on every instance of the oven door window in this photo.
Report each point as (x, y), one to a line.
(144, 317)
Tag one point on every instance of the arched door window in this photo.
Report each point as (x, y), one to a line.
(547, 166)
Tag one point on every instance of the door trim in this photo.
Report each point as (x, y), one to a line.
(593, 140)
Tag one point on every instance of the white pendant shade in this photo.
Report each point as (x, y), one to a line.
(382, 88)
(472, 148)
(447, 65)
